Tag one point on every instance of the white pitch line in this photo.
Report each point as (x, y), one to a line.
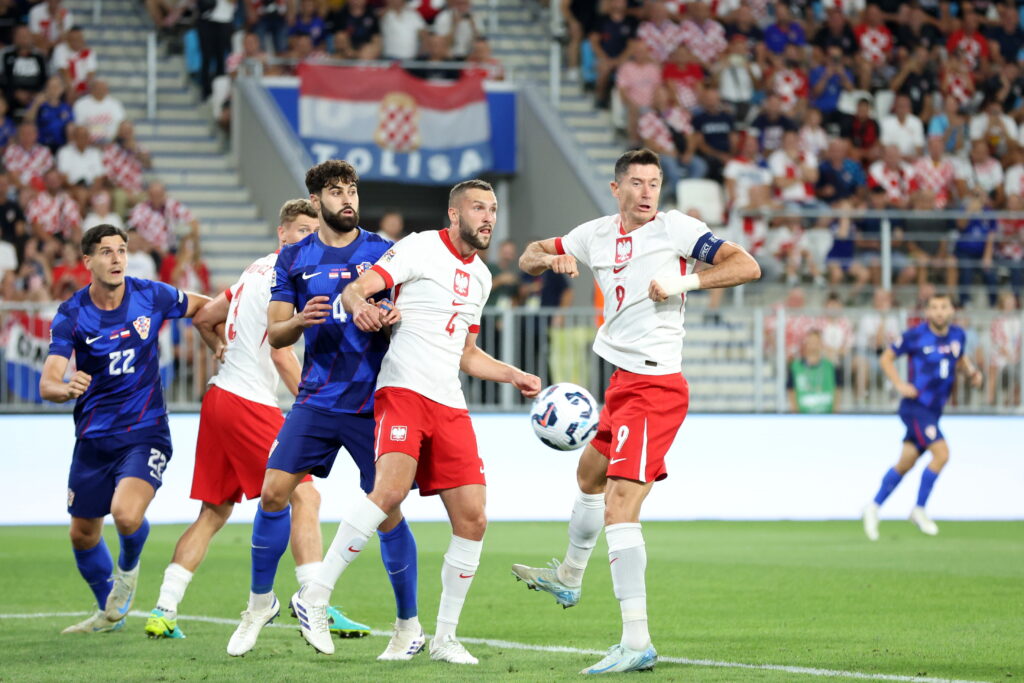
(511, 645)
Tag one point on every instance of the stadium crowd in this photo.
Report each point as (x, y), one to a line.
(830, 105)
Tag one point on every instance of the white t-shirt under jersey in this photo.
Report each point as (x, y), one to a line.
(639, 335)
(441, 297)
(248, 371)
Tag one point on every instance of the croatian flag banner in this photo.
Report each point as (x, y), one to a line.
(392, 126)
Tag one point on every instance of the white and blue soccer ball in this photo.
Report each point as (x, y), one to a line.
(564, 416)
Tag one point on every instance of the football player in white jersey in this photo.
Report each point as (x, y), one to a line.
(424, 434)
(238, 423)
(644, 262)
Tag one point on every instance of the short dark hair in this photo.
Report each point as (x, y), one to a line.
(293, 208)
(460, 188)
(641, 157)
(943, 295)
(333, 170)
(94, 235)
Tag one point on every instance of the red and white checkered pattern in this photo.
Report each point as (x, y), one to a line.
(27, 163)
(55, 214)
(661, 38)
(935, 178)
(638, 82)
(397, 126)
(80, 65)
(123, 168)
(1010, 242)
(705, 41)
(157, 226)
(875, 43)
(896, 181)
(655, 127)
(784, 166)
(973, 47)
(790, 85)
(959, 87)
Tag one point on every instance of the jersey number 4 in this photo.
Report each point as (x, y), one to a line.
(122, 362)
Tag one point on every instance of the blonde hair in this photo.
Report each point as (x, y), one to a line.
(293, 208)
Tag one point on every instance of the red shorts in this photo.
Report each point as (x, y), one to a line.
(639, 422)
(439, 437)
(235, 436)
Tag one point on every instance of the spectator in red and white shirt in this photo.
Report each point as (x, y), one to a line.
(958, 79)
(636, 81)
(795, 173)
(157, 219)
(1013, 185)
(666, 129)
(75, 62)
(25, 159)
(53, 213)
(1010, 244)
(969, 41)
(893, 175)
(935, 174)
(125, 160)
(100, 112)
(49, 21)
(789, 81)
(659, 32)
(875, 42)
(685, 76)
(703, 35)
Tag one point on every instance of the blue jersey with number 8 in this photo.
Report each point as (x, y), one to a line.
(341, 363)
(119, 350)
(932, 363)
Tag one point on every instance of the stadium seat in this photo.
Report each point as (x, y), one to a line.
(703, 195)
(883, 103)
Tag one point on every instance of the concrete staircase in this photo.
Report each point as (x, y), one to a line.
(188, 156)
(522, 44)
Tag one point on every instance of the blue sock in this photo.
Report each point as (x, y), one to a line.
(131, 547)
(270, 531)
(96, 566)
(889, 482)
(398, 550)
(927, 482)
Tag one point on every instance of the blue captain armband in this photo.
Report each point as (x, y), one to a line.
(706, 248)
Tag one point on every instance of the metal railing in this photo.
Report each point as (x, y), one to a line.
(735, 360)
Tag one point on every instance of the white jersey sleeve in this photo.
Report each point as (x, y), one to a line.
(692, 237)
(402, 262)
(577, 242)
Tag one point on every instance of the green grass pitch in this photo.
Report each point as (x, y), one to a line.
(815, 595)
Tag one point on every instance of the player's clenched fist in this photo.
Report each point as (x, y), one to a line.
(368, 317)
(80, 381)
(564, 264)
(390, 314)
(315, 311)
(656, 292)
(527, 384)
(907, 390)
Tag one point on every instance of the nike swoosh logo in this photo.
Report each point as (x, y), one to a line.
(466, 576)
(619, 269)
(306, 276)
(127, 606)
(612, 462)
(90, 340)
(458, 303)
(399, 571)
(352, 550)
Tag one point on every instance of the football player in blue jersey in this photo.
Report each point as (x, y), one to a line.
(334, 406)
(935, 350)
(123, 441)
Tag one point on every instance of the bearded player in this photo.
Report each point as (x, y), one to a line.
(643, 261)
(237, 426)
(935, 350)
(424, 434)
(123, 442)
(334, 406)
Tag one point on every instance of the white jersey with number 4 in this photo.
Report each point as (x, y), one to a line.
(440, 296)
(639, 335)
(248, 371)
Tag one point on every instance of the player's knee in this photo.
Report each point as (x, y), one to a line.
(388, 498)
(216, 515)
(471, 525)
(273, 499)
(83, 539)
(126, 521)
(306, 495)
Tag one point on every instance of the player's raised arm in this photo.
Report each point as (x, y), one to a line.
(539, 256)
(731, 266)
(207, 321)
(367, 317)
(52, 386)
(478, 363)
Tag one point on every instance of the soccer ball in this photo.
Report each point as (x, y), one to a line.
(564, 416)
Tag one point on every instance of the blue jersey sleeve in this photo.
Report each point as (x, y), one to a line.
(170, 301)
(281, 286)
(61, 329)
(905, 344)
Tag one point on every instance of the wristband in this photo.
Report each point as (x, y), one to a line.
(678, 284)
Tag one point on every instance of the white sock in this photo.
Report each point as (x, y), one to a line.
(412, 624)
(306, 573)
(260, 601)
(457, 572)
(584, 528)
(628, 557)
(172, 590)
(352, 534)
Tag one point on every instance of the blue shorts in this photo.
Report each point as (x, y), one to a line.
(98, 464)
(922, 425)
(310, 439)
